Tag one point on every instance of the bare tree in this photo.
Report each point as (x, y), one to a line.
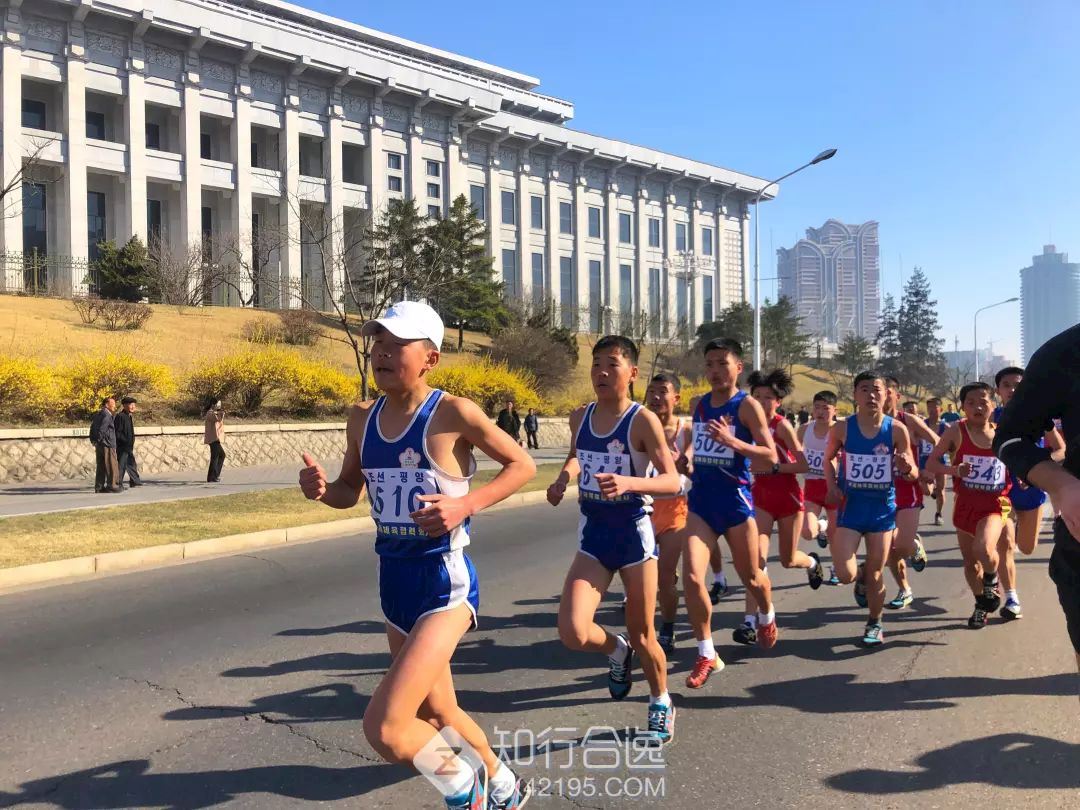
(249, 264)
(181, 277)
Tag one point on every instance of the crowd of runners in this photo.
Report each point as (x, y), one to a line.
(656, 492)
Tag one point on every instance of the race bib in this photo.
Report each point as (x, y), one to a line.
(708, 451)
(394, 494)
(594, 462)
(925, 448)
(868, 470)
(815, 459)
(987, 474)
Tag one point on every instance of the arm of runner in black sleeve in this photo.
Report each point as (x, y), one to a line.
(1030, 413)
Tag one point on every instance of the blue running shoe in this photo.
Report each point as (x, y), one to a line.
(873, 636)
(618, 680)
(833, 578)
(516, 800)
(918, 559)
(902, 600)
(473, 799)
(662, 722)
(1011, 610)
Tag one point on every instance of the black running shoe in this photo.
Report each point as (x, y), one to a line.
(718, 591)
(816, 572)
(666, 638)
(978, 618)
(745, 633)
(991, 599)
(618, 680)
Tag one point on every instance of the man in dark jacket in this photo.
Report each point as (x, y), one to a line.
(125, 443)
(509, 422)
(103, 437)
(532, 428)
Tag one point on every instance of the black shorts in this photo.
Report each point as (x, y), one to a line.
(1065, 571)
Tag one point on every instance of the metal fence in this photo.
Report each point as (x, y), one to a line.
(48, 275)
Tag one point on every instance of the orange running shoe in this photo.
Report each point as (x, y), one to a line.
(703, 668)
(766, 635)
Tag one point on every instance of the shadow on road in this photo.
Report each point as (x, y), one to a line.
(1017, 761)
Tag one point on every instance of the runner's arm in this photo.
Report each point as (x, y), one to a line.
(762, 448)
(947, 444)
(902, 448)
(647, 434)
(517, 465)
(345, 491)
(570, 468)
(787, 435)
(833, 445)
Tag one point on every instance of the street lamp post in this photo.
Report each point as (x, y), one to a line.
(687, 267)
(819, 158)
(975, 329)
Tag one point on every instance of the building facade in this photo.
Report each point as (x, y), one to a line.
(1049, 299)
(833, 277)
(185, 120)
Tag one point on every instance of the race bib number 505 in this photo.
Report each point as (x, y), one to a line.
(868, 470)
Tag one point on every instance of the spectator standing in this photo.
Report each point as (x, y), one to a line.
(213, 436)
(532, 428)
(103, 437)
(804, 415)
(125, 443)
(509, 422)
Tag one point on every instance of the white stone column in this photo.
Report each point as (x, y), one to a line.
(670, 262)
(641, 239)
(289, 149)
(456, 178)
(746, 251)
(417, 176)
(11, 148)
(694, 304)
(493, 190)
(136, 145)
(333, 170)
(524, 229)
(191, 184)
(375, 160)
(581, 261)
(718, 250)
(612, 295)
(76, 241)
(241, 199)
(553, 262)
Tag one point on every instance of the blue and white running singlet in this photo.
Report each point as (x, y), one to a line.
(720, 494)
(867, 479)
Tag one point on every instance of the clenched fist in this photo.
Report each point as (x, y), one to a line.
(312, 479)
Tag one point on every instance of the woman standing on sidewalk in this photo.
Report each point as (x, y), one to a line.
(213, 435)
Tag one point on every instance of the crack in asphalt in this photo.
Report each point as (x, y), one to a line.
(272, 563)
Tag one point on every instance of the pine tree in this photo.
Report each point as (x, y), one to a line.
(736, 321)
(854, 354)
(782, 338)
(921, 361)
(888, 338)
(123, 271)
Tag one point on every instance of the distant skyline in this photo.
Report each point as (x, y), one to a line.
(955, 125)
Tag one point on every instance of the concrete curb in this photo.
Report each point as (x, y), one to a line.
(171, 553)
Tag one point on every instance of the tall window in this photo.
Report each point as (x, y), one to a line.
(95, 223)
(434, 169)
(707, 241)
(538, 295)
(255, 163)
(626, 292)
(509, 273)
(394, 183)
(566, 217)
(626, 229)
(478, 199)
(681, 308)
(393, 162)
(509, 208)
(206, 148)
(434, 212)
(153, 220)
(35, 224)
(596, 301)
(707, 297)
(654, 295)
(594, 222)
(566, 292)
(537, 212)
(434, 190)
(95, 125)
(33, 113)
(680, 236)
(153, 138)
(654, 232)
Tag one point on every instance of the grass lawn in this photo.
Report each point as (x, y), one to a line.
(62, 535)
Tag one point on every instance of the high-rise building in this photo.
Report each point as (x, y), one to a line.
(1049, 298)
(209, 121)
(833, 278)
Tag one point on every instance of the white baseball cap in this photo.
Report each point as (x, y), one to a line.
(409, 320)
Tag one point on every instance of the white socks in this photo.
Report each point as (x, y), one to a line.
(767, 618)
(665, 699)
(620, 650)
(750, 619)
(1012, 595)
(705, 649)
(720, 577)
(501, 784)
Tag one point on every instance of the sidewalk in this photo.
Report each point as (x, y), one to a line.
(61, 496)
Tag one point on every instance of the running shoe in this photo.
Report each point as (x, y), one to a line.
(873, 636)
(766, 635)
(703, 668)
(860, 591)
(822, 535)
(745, 633)
(718, 591)
(662, 721)
(991, 598)
(978, 618)
(918, 559)
(516, 800)
(937, 519)
(902, 600)
(816, 572)
(1011, 610)
(833, 578)
(618, 679)
(474, 799)
(666, 638)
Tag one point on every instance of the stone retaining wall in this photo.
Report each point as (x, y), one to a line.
(53, 454)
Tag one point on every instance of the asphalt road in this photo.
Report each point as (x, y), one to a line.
(241, 681)
(60, 496)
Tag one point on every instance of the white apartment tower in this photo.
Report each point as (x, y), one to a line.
(184, 119)
(1049, 299)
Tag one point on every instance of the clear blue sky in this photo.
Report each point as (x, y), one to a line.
(957, 123)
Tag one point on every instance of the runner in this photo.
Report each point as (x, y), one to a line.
(813, 436)
(933, 419)
(980, 482)
(875, 449)
(1027, 502)
(669, 512)
(907, 544)
(729, 432)
(614, 442)
(778, 499)
(418, 486)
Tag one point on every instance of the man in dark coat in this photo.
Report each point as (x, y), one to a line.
(509, 422)
(103, 437)
(125, 443)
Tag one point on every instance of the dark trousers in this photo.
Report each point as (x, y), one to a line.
(125, 461)
(107, 471)
(217, 461)
(534, 443)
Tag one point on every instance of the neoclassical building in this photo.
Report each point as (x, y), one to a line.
(184, 119)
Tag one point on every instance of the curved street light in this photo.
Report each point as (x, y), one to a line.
(975, 329)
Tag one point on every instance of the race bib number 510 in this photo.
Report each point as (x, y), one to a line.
(395, 495)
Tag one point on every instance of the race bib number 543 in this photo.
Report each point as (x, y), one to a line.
(987, 474)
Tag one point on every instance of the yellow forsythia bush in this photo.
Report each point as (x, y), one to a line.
(318, 388)
(84, 382)
(488, 384)
(28, 390)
